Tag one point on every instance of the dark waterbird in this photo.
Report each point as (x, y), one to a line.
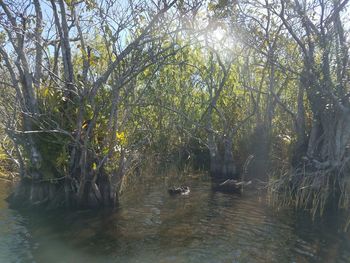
(182, 190)
(231, 186)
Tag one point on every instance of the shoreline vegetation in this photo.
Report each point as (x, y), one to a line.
(95, 93)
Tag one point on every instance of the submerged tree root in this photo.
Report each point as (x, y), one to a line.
(51, 195)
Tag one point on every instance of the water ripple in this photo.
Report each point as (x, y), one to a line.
(154, 227)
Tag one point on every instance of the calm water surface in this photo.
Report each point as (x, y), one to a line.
(151, 226)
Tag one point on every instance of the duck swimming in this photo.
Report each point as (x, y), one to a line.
(234, 183)
(231, 186)
(182, 190)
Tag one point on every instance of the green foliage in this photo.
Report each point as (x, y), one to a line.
(167, 93)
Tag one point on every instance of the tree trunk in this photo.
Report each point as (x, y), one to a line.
(301, 141)
(222, 165)
(328, 145)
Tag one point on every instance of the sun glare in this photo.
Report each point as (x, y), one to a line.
(219, 34)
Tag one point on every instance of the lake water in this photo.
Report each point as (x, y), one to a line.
(151, 226)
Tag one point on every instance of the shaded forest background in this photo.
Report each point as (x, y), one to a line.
(95, 92)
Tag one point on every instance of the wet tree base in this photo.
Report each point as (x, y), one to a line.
(47, 195)
(27, 194)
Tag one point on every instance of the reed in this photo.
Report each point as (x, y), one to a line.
(317, 191)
